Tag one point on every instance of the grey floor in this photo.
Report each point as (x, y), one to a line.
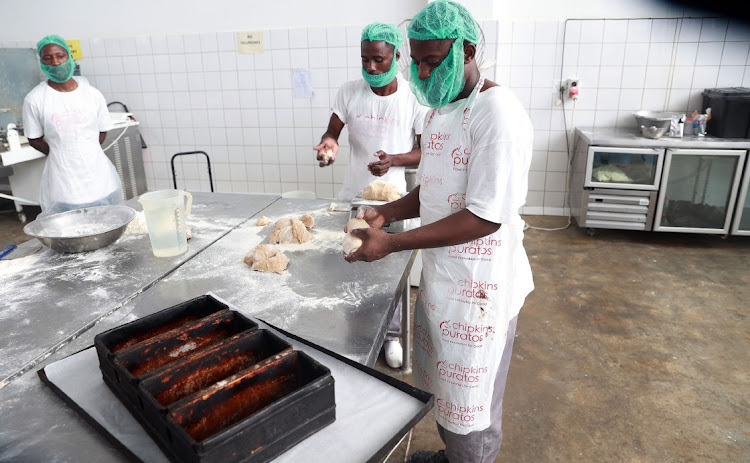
(634, 347)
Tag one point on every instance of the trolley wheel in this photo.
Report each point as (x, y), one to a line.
(592, 231)
(22, 217)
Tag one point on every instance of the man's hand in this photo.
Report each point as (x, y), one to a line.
(371, 215)
(379, 168)
(326, 152)
(376, 244)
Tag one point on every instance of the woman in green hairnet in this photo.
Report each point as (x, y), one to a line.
(476, 275)
(67, 119)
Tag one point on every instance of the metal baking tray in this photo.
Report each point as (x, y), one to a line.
(207, 385)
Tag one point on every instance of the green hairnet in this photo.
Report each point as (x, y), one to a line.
(56, 39)
(379, 32)
(444, 19)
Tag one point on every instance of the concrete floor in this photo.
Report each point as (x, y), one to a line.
(634, 347)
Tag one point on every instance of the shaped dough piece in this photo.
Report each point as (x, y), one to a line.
(352, 243)
(327, 155)
(262, 221)
(380, 191)
(266, 258)
(308, 220)
(290, 231)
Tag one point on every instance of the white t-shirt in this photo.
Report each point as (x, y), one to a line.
(77, 172)
(387, 123)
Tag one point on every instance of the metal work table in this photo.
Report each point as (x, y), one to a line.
(51, 298)
(340, 306)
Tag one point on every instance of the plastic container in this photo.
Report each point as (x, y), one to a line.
(730, 111)
(166, 212)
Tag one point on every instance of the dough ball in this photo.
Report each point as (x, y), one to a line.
(353, 224)
(352, 243)
(308, 220)
(327, 155)
(265, 258)
(380, 191)
(262, 221)
(290, 231)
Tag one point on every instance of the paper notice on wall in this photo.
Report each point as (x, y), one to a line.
(75, 48)
(250, 42)
(302, 83)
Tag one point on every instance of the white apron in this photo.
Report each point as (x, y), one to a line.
(467, 294)
(77, 172)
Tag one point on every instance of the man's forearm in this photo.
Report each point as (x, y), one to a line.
(40, 145)
(458, 228)
(404, 208)
(407, 159)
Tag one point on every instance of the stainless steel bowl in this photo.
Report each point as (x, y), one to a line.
(653, 118)
(653, 131)
(81, 229)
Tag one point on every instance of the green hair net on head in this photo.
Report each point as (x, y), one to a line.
(56, 39)
(377, 32)
(444, 19)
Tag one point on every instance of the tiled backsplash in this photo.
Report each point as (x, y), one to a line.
(195, 92)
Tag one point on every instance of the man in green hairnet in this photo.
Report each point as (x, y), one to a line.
(67, 119)
(476, 151)
(384, 118)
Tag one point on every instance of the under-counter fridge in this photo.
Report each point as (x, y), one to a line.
(698, 190)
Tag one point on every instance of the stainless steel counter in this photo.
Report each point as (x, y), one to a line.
(50, 298)
(343, 307)
(633, 139)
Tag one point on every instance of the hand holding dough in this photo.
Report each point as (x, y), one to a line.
(266, 258)
(352, 243)
(380, 191)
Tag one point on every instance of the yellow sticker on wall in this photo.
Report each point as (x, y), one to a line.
(250, 42)
(75, 48)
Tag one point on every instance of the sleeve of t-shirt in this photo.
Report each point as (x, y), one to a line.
(33, 125)
(341, 102)
(420, 112)
(498, 167)
(104, 121)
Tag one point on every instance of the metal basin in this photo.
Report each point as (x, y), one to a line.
(654, 119)
(81, 230)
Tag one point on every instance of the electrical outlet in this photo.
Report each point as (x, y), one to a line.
(570, 88)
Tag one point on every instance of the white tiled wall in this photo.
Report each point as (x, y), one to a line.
(195, 92)
(623, 65)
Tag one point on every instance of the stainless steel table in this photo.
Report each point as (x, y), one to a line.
(50, 298)
(343, 307)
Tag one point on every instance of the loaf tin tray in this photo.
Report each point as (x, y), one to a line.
(207, 385)
(373, 411)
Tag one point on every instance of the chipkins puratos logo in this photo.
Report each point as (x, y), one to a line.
(457, 373)
(473, 289)
(460, 158)
(463, 333)
(458, 413)
(437, 141)
(457, 201)
(480, 247)
(423, 339)
(421, 375)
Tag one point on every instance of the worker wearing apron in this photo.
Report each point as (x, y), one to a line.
(476, 152)
(67, 119)
(383, 117)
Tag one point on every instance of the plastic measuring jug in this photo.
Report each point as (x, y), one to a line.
(166, 211)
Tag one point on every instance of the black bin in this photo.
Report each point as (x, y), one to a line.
(730, 111)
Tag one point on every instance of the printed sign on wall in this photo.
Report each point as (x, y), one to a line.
(250, 42)
(75, 48)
